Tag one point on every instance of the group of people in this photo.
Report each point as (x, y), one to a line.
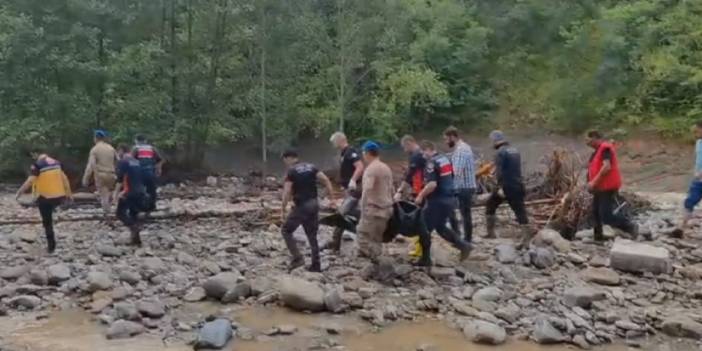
(126, 176)
(439, 184)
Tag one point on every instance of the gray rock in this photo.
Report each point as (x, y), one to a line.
(39, 277)
(126, 311)
(581, 342)
(682, 327)
(627, 325)
(509, 313)
(630, 256)
(130, 277)
(107, 250)
(550, 237)
(58, 273)
(122, 329)
(333, 301)
(151, 308)
(99, 281)
(603, 276)
(287, 329)
(385, 270)
(545, 333)
(481, 332)
(195, 294)
(27, 301)
(214, 335)
(443, 274)
(28, 236)
(542, 258)
(301, 295)
(259, 285)
(491, 294)
(239, 291)
(152, 266)
(576, 259)
(582, 296)
(506, 253)
(13, 273)
(186, 258)
(217, 286)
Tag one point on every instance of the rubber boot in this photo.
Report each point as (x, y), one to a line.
(136, 235)
(465, 251)
(490, 222)
(50, 241)
(527, 233)
(416, 248)
(315, 267)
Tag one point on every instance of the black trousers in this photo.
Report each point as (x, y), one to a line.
(46, 210)
(151, 186)
(603, 206)
(436, 214)
(515, 199)
(306, 215)
(128, 209)
(464, 198)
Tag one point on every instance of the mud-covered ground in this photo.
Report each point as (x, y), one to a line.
(206, 255)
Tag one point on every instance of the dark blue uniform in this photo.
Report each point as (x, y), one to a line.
(508, 169)
(130, 174)
(440, 204)
(148, 158)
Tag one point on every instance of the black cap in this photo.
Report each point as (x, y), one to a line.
(290, 153)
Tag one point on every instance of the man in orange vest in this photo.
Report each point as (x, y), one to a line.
(604, 182)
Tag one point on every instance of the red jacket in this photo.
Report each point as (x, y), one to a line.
(612, 181)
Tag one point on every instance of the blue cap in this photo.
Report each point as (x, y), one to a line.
(99, 133)
(497, 136)
(370, 145)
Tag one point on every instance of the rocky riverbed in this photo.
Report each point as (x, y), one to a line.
(198, 276)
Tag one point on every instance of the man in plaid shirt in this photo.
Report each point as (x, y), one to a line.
(464, 179)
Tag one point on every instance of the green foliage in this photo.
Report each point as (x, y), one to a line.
(189, 73)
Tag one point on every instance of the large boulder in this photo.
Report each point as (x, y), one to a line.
(582, 296)
(126, 311)
(241, 290)
(195, 294)
(218, 286)
(682, 327)
(39, 277)
(122, 329)
(301, 295)
(214, 335)
(630, 256)
(333, 301)
(481, 332)
(58, 273)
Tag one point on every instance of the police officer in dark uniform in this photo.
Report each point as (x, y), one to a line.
(508, 170)
(301, 186)
(130, 192)
(350, 173)
(151, 165)
(439, 203)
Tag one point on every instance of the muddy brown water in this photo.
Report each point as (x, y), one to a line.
(76, 330)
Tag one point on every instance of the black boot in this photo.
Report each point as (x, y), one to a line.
(315, 267)
(51, 242)
(136, 235)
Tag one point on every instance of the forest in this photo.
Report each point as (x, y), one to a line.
(193, 73)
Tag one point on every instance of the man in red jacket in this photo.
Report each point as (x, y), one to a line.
(604, 181)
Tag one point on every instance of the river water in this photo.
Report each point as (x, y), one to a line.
(76, 330)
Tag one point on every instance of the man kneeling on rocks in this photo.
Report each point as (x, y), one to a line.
(130, 192)
(301, 187)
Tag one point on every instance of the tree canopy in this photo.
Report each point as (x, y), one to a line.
(189, 73)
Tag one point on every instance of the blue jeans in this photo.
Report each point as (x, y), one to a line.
(694, 195)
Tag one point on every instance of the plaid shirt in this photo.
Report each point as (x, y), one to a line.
(463, 166)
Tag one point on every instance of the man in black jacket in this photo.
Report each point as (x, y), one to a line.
(508, 170)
